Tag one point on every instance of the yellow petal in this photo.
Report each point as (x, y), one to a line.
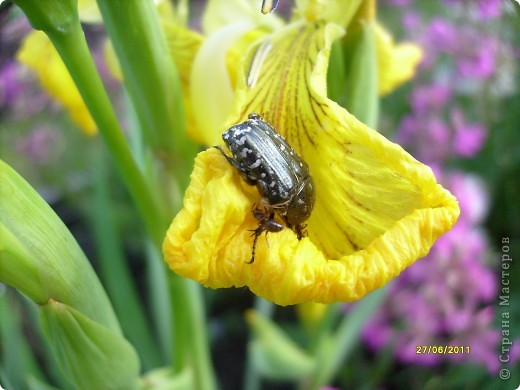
(396, 63)
(377, 209)
(40, 56)
(184, 45)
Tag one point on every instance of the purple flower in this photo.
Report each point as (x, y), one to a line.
(489, 9)
(433, 97)
(514, 354)
(411, 21)
(38, 145)
(399, 3)
(473, 197)
(485, 9)
(478, 57)
(469, 137)
(10, 84)
(442, 35)
(428, 136)
(473, 52)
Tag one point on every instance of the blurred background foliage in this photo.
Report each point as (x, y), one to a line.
(460, 115)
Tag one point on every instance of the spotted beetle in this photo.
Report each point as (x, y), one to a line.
(263, 158)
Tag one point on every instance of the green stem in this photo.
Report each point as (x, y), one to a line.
(362, 99)
(205, 377)
(158, 299)
(334, 350)
(252, 376)
(116, 275)
(326, 325)
(151, 80)
(180, 322)
(190, 319)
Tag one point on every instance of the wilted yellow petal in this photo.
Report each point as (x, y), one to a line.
(40, 56)
(377, 209)
(396, 63)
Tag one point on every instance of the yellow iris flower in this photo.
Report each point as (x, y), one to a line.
(377, 209)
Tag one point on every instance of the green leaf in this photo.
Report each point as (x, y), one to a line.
(165, 379)
(37, 384)
(40, 258)
(15, 355)
(274, 354)
(94, 356)
(49, 14)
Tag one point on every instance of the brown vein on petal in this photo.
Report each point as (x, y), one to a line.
(332, 216)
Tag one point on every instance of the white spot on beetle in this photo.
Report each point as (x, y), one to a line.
(244, 152)
(241, 131)
(256, 164)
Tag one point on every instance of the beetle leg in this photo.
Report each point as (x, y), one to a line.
(296, 191)
(256, 233)
(251, 180)
(300, 231)
(231, 160)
